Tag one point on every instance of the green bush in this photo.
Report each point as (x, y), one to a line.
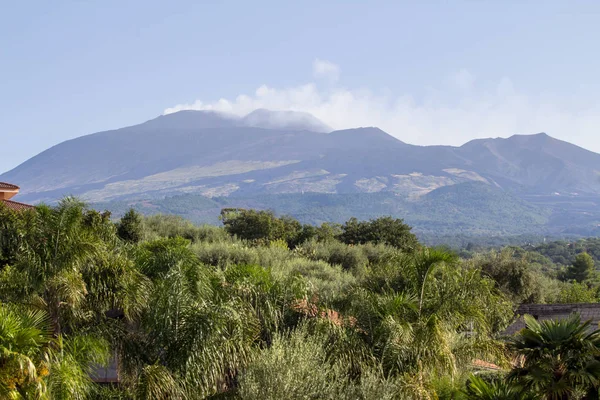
(577, 293)
(130, 227)
(327, 281)
(387, 230)
(173, 226)
(350, 258)
(294, 367)
(299, 366)
(225, 254)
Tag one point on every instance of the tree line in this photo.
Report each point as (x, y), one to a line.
(265, 307)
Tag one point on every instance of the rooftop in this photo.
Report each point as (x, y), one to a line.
(8, 186)
(15, 205)
(7, 192)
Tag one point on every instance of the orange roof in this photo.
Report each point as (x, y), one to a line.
(485, 365)
(9, 186)
(15, 205)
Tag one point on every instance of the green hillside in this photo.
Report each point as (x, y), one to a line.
(470, 208)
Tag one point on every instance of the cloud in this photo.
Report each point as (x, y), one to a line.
(463, 80)
(460, 108)
(326, 69)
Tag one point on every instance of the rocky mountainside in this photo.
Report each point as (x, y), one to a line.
(268, 152)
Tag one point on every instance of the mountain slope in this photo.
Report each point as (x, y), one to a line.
(538, 163)
(472, 208)
(275, 152)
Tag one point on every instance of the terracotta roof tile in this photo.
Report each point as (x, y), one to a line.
(485, 365)
(9, 186)
(15, 205)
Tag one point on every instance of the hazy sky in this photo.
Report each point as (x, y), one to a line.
(426, 72)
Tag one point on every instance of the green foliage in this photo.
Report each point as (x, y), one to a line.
(263, 226)
(329, 283)
(160, 226)
(130, 227)
(350, 258)
(386, 230)
(582, 268)
(265, 307)
(298, 365)
(223, 254)
(479, 389)
(559, 358)
(564, 252)
(577, 293)
(513, 275)
(294, 367)
(13, 228)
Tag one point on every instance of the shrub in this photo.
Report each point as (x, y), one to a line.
(130, 227)
(262, 227)
(328, 282)
(577, 293)
(380, 253)
(173, 226)
(300, 366)
(350, 258)
(294, 367)
(225, 254)
(387, 230)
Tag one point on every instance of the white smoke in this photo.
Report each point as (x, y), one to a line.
(459, 109)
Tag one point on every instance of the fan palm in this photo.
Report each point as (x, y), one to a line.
(560, 358)
(479, 389)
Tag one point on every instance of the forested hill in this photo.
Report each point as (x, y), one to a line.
(469, 211)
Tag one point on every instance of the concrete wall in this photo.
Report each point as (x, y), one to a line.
(586, 311)
(6, 194)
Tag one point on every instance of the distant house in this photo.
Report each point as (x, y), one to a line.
(541, 312)
(7, 192)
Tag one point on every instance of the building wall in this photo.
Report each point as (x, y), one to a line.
(586, 311)
(7, 194)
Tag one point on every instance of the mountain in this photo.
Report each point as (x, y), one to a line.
(274, 153)
(538, 163)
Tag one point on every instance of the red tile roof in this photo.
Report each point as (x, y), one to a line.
(15, 205)
(485, 365)
(9, 186)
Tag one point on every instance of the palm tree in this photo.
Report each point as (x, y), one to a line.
(70, 270)
(63, 244)
(433, 317)
(35, 364)
(196, 331)
(560, 358)
(71, 361)
(479, 389)
(24, 339)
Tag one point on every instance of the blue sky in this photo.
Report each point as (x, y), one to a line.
(425, 71)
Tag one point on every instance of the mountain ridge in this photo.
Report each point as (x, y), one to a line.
(216, 154)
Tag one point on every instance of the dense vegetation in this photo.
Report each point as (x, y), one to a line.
(266, 307)
(470, 209)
